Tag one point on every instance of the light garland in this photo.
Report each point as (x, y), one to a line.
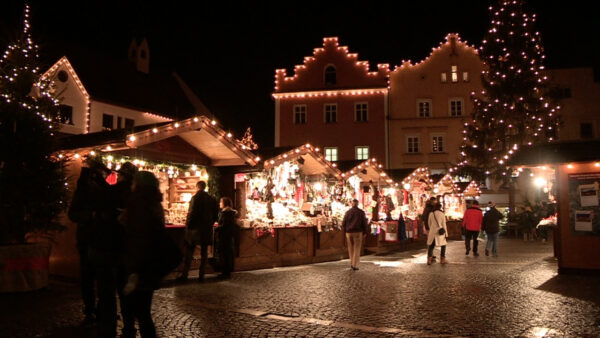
(306, 149)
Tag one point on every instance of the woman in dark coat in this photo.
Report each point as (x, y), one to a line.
(144, 224)
(227, 231)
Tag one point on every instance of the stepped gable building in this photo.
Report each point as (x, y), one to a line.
(98, 93)
(429, 103)
(335, 101)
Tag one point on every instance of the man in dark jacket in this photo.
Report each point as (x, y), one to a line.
(355, 226)
(201, 217)
(491, 226)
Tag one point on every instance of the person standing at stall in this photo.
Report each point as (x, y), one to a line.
(201, 217)
(491, 226)
(355, 226)
(226, 235)
(472, 223)
(437, 233)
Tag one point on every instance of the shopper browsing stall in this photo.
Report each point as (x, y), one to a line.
(355, 226)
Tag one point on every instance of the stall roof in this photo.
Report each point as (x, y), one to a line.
(198, 137)
(557, 152)
(370, 170)
(314, 161)
(408, 175)
(469, 189)
(448, 182)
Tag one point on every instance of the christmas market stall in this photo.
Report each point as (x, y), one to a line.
(453, 204)
(292, 210)
(378, 195)
(417, 188)
(178, 153)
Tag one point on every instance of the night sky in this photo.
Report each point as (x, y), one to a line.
(228, 52)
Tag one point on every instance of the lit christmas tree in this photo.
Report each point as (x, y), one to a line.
(32, 186)
(516, 107)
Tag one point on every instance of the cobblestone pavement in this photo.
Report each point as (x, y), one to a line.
(518, 294)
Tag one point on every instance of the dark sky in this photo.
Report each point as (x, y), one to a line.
(228, 51)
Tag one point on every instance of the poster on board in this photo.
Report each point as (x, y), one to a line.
(584, 203)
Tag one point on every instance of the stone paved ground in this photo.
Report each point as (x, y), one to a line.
(518, 294)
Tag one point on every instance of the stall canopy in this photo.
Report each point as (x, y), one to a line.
(418, 179)
(199, 140)
(469, 188)
(371, 170)
(445, 185)
(312, 160)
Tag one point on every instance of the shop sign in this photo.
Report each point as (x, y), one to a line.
(584, 203)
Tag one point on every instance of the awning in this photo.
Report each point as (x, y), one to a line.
(311, 159)
(371, 170)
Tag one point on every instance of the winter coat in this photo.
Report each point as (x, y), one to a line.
(355, 220)
(228, 227)
(491, 221)
(426, 211)
(201, 217)
(144, 226)
(472, 219)
(527, 221)
(437, 220)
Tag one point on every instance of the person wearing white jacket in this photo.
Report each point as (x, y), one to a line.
(437, 221)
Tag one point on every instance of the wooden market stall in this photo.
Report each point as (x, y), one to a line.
(570, 173)
(379, 196)
(292, 210)
(178, 153)
(417, 188)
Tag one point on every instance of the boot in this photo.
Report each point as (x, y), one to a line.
(429, 260)
(443, 260)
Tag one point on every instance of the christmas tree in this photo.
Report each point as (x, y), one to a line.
(32, 186)
(515, 107)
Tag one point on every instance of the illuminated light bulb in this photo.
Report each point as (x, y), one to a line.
(76, 155)
(272, 162)
(540, 181)
(109, 157)
(316, 149)
(154, 130)
(136, 162)
(109, 148)
(570, 166)
(213, 122)
(597, 164)
(229, 135)
(407, 186)
(60, 156)
(194, 167)
(142, 163)
(93, 153)
(131, 138)
(176, 125)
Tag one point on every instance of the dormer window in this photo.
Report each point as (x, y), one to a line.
(330, 75)
(454, 73)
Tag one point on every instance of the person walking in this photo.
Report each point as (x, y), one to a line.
(438, 232)
(355, 226)
(472, 223)
(82, 212)
(226, 231)
(528, 224)
(202, 215)
(491, 226)
(144, 225)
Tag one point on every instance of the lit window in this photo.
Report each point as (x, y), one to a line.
(437, 143)
(423, 108)
(465, 76)
(331, 154)
(362, 153)
(331, 113)
(454, 73)
(444, 78)
(330, 75)
(300, 114)
(456, 107)
(412, 143)
(361, 112)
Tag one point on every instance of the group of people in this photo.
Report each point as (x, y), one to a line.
(474, 221)
(119, 228)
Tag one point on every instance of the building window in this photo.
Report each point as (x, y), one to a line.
(108, 121)
(444, 78)
(300, 114)
(437, 143)
(129, 123)
(412, 144)
(119, 122)
(362, 153)
(331, 154)
(330, 75)
(331, 113)
(424, 108)
(361, 112)
(456, 107)
(465, 76)
(587, 130)
(454, 73)
(65, 114)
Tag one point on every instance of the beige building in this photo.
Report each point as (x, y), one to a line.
(429, 104)
(580, 113)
